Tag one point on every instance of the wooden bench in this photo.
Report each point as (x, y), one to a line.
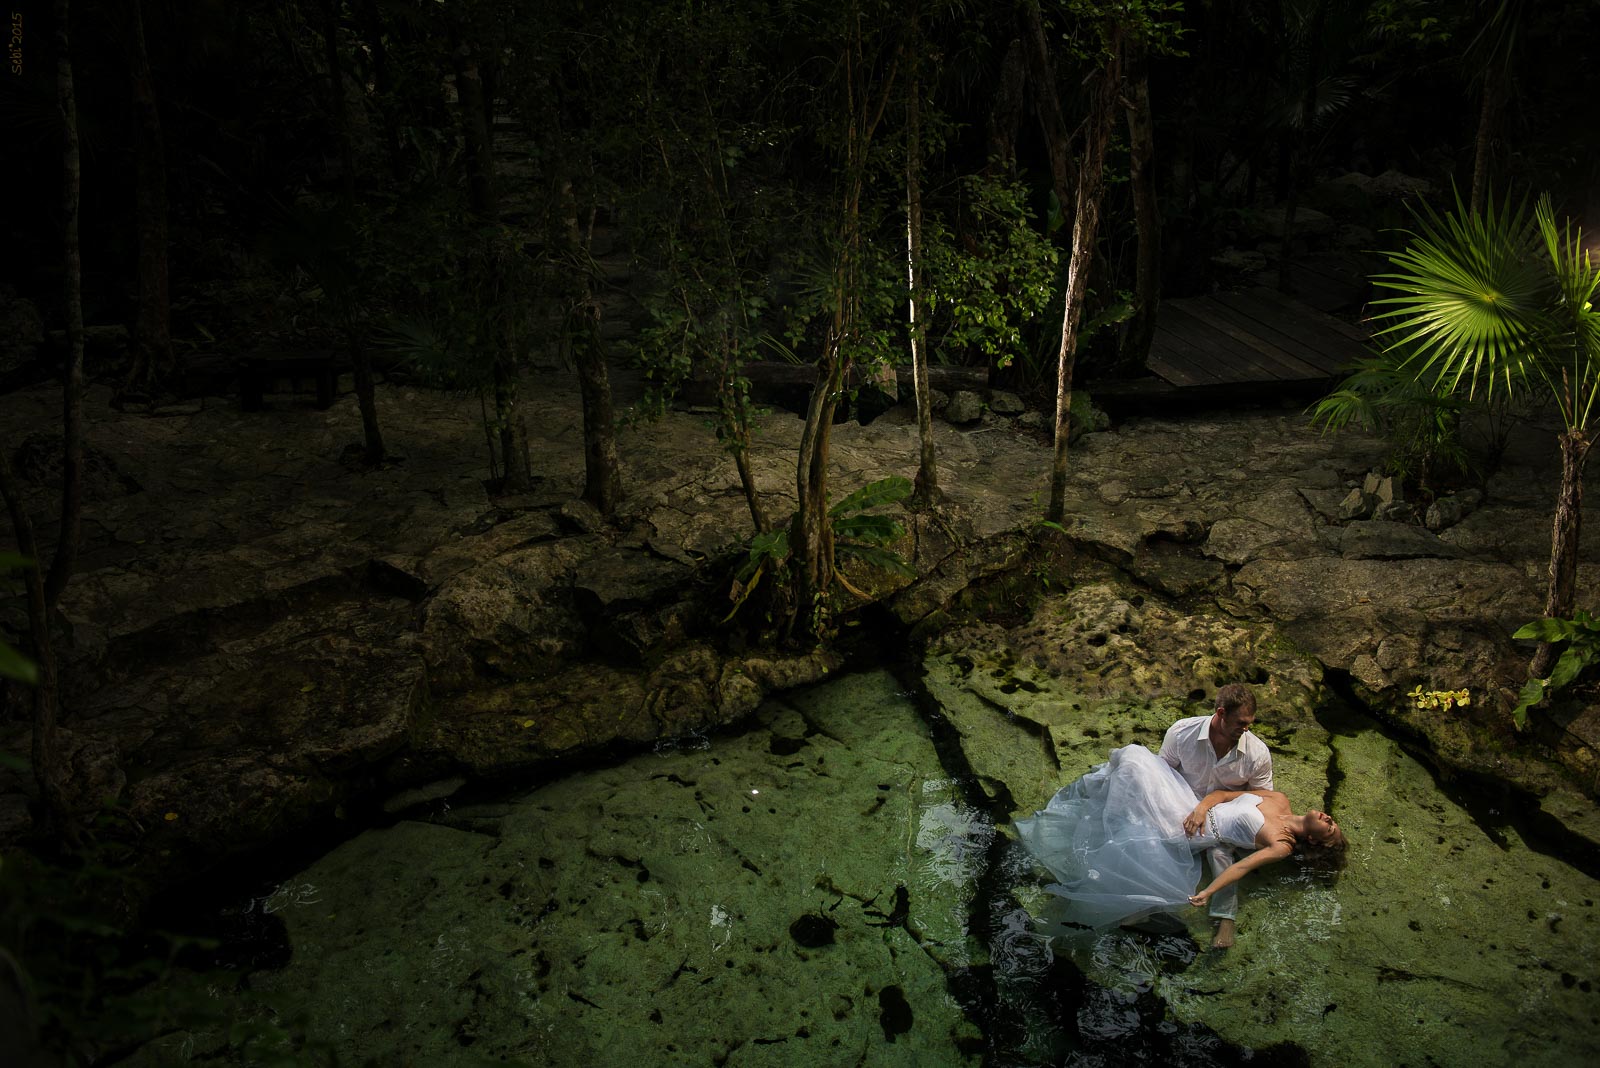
(261, 373)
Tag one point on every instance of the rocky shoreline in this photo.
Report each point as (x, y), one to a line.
(263, 638)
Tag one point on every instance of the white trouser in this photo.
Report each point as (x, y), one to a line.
(1225, 902)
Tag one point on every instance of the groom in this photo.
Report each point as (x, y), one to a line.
(1218, 752)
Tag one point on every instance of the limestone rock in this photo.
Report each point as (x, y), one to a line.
(965, 407)
(1003, 403)
(1357, 504)
(1448, 511)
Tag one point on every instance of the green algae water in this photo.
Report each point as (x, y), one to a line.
(835, 885)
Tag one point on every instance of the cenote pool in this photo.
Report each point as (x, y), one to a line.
(834, 886)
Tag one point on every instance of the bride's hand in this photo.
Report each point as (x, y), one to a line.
(1194, 821)
(1199, 900)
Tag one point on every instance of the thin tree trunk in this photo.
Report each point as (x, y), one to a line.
(360, 356)
(153, 362)
(1147, 221)
(1005, 114)
(1086, 224)
(1057, 138)
(46, 691)
(477, 135)
(1483, 142)
(927, 483)
(382, 84)
(1565, 529)
(366, 395)
(747, 480)
(814, 526)
(72, 270)
(602, 484)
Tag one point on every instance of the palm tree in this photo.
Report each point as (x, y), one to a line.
(1498, 299)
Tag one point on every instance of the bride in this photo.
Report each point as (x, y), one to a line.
(1125, 839)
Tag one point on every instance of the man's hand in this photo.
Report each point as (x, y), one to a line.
(1194, 821)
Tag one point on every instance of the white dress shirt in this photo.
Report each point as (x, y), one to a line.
(1187, 747)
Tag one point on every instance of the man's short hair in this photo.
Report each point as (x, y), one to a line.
(1236, 696)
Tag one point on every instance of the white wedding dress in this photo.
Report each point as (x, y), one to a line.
(1115, 839)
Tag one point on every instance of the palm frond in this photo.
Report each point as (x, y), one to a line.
(1469, 299)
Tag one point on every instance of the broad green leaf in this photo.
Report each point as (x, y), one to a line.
(889, 490)
(1547, 630)
(876, 529)
(1532, 693)
(877, 557)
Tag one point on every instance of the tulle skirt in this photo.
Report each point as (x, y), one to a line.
(1114, 839)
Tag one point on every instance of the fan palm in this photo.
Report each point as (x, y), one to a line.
(1498, 299)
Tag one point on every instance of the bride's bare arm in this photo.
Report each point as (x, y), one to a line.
(1240, 868)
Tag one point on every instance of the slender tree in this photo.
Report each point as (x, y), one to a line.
(1105, 86)
(1146, 214)
(338, 106)
(927, 481)
(152, 362)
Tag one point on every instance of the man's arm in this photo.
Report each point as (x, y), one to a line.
(1261, 769)
(1196, 819)
(1169, 747)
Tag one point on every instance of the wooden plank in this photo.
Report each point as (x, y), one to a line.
(1308, 349)
(1171, 361)
(1322, 343)
(1276, 361)
(1234, 358)
(1298, 310)
(1201, 363)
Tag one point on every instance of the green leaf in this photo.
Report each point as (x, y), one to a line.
(1573, 660)
(875, 529)
(13, 665)
(877, 557)
(1547, 630)
(1531, 694)
(889, 490)
(14, 561)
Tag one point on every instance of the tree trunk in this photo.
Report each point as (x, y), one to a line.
(366, 396)
(747, 480)
(1147, 220)
(1562, 590)
(513, 432)
(478, 138)
(602, 484)
(1057, 138)
(1483, 142)
(382, 84)
(72, 272)
(1005, 114)
(475, 134)
(152, 362)
(1104, 90)
(927, 483)
(45, 749)
(373, 452)
(814, 544)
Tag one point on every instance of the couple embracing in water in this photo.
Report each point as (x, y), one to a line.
(1125, 840)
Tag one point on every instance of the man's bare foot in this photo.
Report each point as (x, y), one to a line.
(1224, 935)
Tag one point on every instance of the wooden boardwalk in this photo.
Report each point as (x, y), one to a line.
(1255, 337)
